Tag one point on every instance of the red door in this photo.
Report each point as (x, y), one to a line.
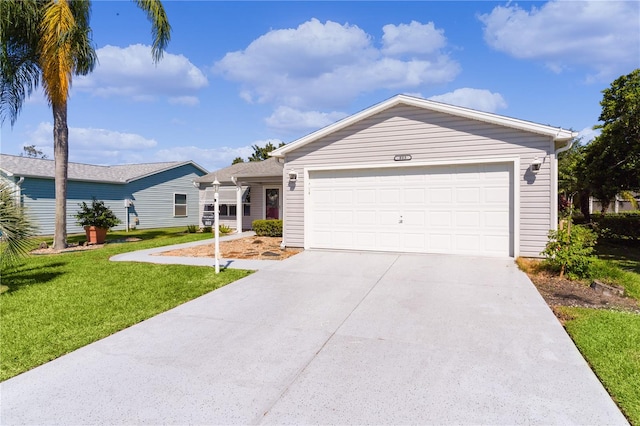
(272, 197)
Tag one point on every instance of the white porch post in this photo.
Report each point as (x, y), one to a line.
(239, 208)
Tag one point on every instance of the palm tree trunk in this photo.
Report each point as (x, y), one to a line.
(61, 156)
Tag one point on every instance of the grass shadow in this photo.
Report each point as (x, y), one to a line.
(25, 275)
(625, 255)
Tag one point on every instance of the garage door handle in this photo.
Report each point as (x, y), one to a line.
(400, 221)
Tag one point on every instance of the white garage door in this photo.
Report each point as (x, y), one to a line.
(461, 209)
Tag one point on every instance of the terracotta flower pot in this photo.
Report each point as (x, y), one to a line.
(95, 235)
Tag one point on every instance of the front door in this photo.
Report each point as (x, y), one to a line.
(272, 203)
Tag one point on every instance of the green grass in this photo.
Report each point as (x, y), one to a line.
(610, 342)
(57, 303)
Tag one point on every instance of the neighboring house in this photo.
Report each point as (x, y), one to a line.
(253, 188)
(151, 195)
(412, 175)
(619, 204)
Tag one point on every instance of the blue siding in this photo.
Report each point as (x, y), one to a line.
(152, 200)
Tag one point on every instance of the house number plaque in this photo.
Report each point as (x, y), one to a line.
(402, 157)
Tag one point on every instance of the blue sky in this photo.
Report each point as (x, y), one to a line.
(237, 74)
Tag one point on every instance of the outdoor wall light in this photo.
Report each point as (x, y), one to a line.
(535, 165)
(293, 175)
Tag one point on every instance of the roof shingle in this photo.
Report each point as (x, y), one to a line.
(44, 168)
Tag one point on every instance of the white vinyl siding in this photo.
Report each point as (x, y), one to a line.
(430, 137)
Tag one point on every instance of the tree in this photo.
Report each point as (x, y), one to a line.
(49, 42)
(572, 186)
(613, 158)
(16, 228)
(32, 152)
(262, 153)
(237, 160)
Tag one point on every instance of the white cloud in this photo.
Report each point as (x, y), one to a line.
(184, 100)
(603, 36)
(209, 158)
(102, 146)
(94, 146)
(479, 99)
(588, 134)
(130, 72)
(414, 38)
(326, 65)
(290, 119)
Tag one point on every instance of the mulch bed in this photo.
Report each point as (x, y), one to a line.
(558, 291)
(261, 248)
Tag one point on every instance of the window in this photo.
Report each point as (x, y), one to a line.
(230, 209)
(179, 204)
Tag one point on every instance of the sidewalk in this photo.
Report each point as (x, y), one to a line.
(152, 256)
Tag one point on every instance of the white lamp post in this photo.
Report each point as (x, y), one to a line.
(216, 231)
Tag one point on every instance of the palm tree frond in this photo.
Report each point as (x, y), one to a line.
(84, 54)
(56, 55)
(160, 28)
(16, 228)
(19, 70)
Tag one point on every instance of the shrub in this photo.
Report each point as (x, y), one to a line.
(191, 229)
(570, 252)
(224, 229)
(622, 226)
(207, 229)
(268, 227)
(97, 215)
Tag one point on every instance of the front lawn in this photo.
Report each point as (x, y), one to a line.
(57, 303)
(610, 342)
(610, 339)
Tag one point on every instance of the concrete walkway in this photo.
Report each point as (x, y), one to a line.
(332, 338)
(152, 256)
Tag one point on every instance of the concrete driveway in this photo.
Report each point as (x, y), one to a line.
(332, 338)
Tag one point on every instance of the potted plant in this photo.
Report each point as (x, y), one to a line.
(96, 219)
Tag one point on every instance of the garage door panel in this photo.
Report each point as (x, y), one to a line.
(441, 195)
(468, 219)
(439, 219)
(415, 196)
(468, 195)
(439, 243)
(344, 218)
(445, 209)
(389, 218)
(344, 196)
(414, 218)
(366, 196)
(497, 219)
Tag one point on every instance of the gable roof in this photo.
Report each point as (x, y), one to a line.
(271, 167)
(13, 165)
(557, 133)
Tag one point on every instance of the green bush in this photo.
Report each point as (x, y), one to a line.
(191, 229)
(224, 229)
(268, 227)
(98, 215)
(571, 253)
(619, 226)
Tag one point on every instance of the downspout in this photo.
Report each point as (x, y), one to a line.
(555, 198)
(239, 206)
